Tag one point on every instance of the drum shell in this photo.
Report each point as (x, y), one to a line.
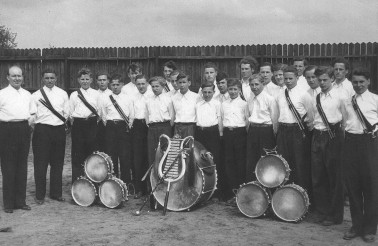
(98, 167)
(112, 192)
(84, 192)
(253, 199)
(272, 171)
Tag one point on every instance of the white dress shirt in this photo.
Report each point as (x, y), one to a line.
(139, 103)
(15, 105)
(131, 90)
(216, 91)
(234, 112)
(58, 99)
(313, 93)
(159, 108)
(368, 104)
(109, 112)
(345, 87)
(302, 83)
(272, 89)
(263, 109)
(208, 112)
(222, 97)
(78, 108)
(246, 89)
(185, 106)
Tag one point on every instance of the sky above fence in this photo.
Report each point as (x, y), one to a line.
(125, 23)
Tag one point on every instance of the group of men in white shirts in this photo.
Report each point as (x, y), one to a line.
(309, 113)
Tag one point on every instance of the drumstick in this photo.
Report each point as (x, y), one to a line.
(166, 198)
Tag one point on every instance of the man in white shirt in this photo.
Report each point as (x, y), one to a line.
(300, 63)
(84, 127)
(248, 66)
(15, 140)
(222, 87)
(168, 68)
(103, 90)
(278, 75)
(210, 74)
(184, 105)
(342, 84)
(174, 84)
(266, 73)
(130, 88)
(312, 81)
(49, 137)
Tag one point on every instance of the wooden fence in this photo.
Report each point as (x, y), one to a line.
(67, 61)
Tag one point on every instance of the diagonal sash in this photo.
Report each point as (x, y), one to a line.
(324, 117)
(300, 121)
(86, 103)
(119, 110)
(361, 117)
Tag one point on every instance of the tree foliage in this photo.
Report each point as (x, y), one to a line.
(7, 38)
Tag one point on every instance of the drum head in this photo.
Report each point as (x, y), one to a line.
(290, 203)
(111, 193)
(96, 168)
(83, 192)
(271, 171)
(252, 200)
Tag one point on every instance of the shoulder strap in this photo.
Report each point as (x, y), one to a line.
(365, 123)
(119, 110)
(49, 106)
(86, 103)
(241, 92)
(323, 116)
(166, 87)
(300, 121)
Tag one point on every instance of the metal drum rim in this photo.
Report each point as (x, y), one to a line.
(262, 188)
(109, 165)
(124, 193)
(287, 174)
(94, 188)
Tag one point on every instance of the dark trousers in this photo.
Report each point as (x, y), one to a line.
(235, 144)
(360, 160)
(83, 143)
(101, 136)
(258, 138)
(326, 172)
(118, 146)
(49, 144)
(14, 150)
(294, 148)
(140, 158)
(155, 130)
(185, 129)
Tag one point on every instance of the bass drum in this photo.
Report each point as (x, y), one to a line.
(290, 203)
(196, 177)
(83, 192)
(272, 171)
(112, 192)
(98, 167)
(253, 199)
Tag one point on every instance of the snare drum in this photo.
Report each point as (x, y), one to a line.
(290, 202)
(112, 192)
(272, 171)
(252, 199)
(83, 192)
(98, 166)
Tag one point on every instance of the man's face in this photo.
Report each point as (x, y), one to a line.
(299, 65)
(312, 81)
(246, 70)
(222, 86)
(49, 80)
(116, 86)
(85, 81)
(174, 82)
(210, 74)
(132, 75)
(207, 93)
(15, 77)
(157, 88)
(360, 83)
(278, 76)
(233, 91)
(266, 73)
(256, 86)
(290, 80)
(103, 82)
(141, 84)
(167, 72)
(183, 85)
(325, 82)
(339, 71)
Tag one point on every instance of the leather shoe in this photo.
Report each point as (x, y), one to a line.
(59, 199)
(368, 238)
(138, 195)
(39, 201)
(8, 210)
(24, 207)
(350, 234)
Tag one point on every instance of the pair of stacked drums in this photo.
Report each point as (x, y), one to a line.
(99, 182)
(289, 202)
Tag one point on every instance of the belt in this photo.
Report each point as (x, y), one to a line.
(85, 119)
(49, 125)
(116, 122)
(185, 123)
(260, 125)
(13, 122)
(287, 124)
(332, 126)
(207, 128)
(234, 128)
(158, 123)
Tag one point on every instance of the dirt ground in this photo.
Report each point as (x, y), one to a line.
(55, 223)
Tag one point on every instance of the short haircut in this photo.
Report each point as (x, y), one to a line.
(324, 70)
(48, 70)
(101, 73)
(361, 72)
(267, 64)
(12, 67)
(182, 75)
(300, 58)
(221, 76)
(160, 79)
(174, 73)
(211, 65)
(233, 82)
(279, 67)
(204, 85)
(170, 64)
(309, 68)
(251, 61)
(118, 77)
(141, 76)
(341, 60)
(134, 67)
(84, 71)
(291, 69)
(256, 77)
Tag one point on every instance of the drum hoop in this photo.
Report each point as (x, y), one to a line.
(267, 195)
(284, 162)
(305, 197)
(108, 161)
(94, 188)
(123, 188)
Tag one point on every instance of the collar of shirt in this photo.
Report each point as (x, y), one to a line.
(364, 95)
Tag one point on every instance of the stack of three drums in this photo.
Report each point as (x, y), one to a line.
(289, 202)
(99, 181)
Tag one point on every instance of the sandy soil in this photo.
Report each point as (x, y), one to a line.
(55, 223)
